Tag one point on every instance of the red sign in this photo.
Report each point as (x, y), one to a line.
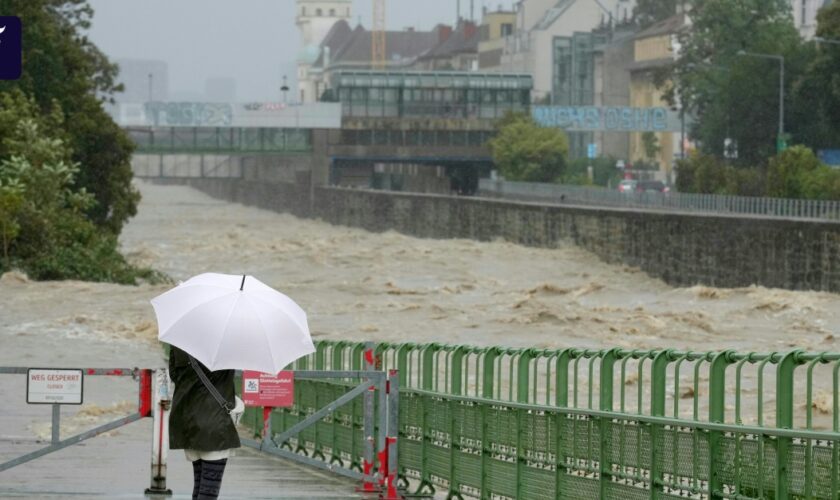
(263, 389)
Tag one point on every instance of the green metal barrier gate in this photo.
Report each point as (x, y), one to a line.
(575, 423)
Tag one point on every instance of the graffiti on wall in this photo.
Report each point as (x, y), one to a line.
(196, 114)
(610, 119)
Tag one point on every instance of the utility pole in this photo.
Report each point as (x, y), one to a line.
(151, 77)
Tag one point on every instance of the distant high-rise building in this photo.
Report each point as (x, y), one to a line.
(314, 19)
(220, 89)
(144, 80)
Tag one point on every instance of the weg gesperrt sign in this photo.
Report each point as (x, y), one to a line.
(54, 386)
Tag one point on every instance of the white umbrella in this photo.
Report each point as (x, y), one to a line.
(233, 322)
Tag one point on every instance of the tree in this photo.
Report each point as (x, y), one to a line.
(736, 96)
(62, 66)
(817, 93)
(524, 151)
(648, 12)
(650, 144)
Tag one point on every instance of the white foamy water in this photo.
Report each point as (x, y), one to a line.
(357, 285)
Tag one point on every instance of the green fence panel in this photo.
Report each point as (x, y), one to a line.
(581, 423)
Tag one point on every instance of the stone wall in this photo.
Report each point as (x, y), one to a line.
(682, 249)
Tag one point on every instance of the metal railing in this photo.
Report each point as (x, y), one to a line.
(687, 202)
(535, 423)
(220, 140)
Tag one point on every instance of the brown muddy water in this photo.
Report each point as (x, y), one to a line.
(357, 285)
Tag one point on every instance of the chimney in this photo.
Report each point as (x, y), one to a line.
(444, 32)
(469, 29)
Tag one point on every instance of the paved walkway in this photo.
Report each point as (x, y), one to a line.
(118, 464)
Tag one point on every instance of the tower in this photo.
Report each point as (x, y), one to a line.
(314, 19)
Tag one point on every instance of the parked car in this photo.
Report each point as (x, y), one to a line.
(652, 187)
(627, 186)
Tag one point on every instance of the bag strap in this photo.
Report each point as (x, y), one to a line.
(210, 387)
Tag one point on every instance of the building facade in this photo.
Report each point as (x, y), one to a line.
(530, 48)
(315, 19)
(495, 28)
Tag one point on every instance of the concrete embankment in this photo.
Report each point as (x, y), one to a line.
(680, 248)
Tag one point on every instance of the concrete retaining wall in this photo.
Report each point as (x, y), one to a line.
(682, 249)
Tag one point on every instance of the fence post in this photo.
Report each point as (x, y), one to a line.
(161, 401)
(457, 370)
(605, 403)
(717, 409)
(393, 389)
(523, 365)
(657, 409)
(784, 419)
(367, 459)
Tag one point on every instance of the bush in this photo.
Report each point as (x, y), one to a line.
(604, 172)
(704, 173)
(524, 151)
(789, 173)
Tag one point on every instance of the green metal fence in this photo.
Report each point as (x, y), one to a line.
(491, 422)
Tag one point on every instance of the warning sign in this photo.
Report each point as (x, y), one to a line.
(263, 389)
(51, 386)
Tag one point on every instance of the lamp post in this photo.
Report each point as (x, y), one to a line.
(781, 60)
(830, 41)
(284, 89)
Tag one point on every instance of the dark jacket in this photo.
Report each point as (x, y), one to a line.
(196, 420)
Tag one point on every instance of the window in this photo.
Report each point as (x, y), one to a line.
(804, 13)
(303, 11)
(507, 29)
(318, 12)
(332, 12)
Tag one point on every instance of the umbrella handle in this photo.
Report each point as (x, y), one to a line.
(242, 285)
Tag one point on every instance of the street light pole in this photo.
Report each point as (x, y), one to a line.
(781, 60)
(820, 39)
(284, 89)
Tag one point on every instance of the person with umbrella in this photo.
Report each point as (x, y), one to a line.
(215, 324)
(198, 424)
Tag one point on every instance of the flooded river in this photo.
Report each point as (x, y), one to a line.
(357, 285)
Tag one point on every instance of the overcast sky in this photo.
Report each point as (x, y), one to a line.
(254, 41)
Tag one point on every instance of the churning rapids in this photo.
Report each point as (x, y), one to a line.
(357, 285)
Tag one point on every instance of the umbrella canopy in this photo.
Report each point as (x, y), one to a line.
(233, 322)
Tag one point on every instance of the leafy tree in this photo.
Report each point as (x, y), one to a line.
(816, 97)
(648, 12)
(62, 66)
(650, 144)
(736, 96)
(524, 151)
(44, 229)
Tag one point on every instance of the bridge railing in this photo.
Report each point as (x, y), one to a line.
(691, 202)
(538, 423)
(220, 140)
